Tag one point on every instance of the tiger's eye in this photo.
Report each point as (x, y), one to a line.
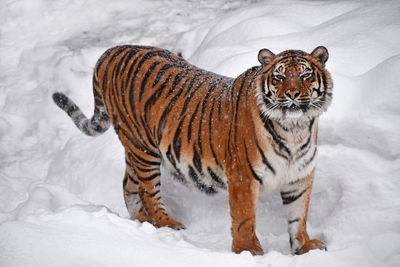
(279, 77)
(306, 75)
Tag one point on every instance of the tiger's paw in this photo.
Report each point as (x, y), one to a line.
(176, 226)
(168, 221)
(254, 247)
(311, 244)
(161, 221)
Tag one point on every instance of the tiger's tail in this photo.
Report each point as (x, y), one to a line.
(98, 124)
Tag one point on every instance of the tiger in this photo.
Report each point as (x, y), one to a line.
(250, 134)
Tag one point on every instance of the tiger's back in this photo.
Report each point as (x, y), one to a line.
(167, 111)
(213, 132)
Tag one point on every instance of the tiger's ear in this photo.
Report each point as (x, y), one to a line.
(321, 54)
(265, 56)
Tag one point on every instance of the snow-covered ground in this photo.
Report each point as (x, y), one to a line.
(61, 198)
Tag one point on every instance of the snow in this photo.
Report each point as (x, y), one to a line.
(61, 200)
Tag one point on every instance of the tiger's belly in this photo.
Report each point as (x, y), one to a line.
(200, 174)
(206, 177)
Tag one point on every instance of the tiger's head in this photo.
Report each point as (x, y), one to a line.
(294, 85)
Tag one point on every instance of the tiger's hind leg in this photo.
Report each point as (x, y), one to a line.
(142, 191)
(132, 199)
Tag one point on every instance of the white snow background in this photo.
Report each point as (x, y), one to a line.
(61, 198)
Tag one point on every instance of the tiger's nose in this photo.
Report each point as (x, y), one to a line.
(293, 93)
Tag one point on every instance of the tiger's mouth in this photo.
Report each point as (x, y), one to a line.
(295, 106)
(294, 110)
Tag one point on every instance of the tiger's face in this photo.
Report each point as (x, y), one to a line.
(294, 85)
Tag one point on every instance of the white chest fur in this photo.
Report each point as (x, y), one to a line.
(291, 154)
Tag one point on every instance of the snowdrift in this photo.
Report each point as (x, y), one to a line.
(61, 198)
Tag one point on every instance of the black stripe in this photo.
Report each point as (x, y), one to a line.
(126, 108)
(229, 140)
(210, 134)
(130, 192)
(146, 170)
(103, 57)
(253, 78)
(292, 57)
(146, 76)
(139, 144)
(154, 97)
(153, 194)
(288, 192)
(276, 138)
(178, 174)
(148, 55)
(289, 199)
(129, 80)
(128, 163)
(197, 159)
(264, 159)
(106, 80)
(255, 176)
(190, 96)
(191, 122)
(125, 181)
(114, 77)
(132, 179)
(129, 55)
(263, 83)
(177, 141)
(149, 178)
(311, 159)
(309, 137)
(110, 61)
(305, 146)
(319, 84)
(138, 159)
(203, 187)
(178, 78)
(192, 82)
(122, 114)
(324, 80)
(246, 75)
(167, 110)
(134, 141)
(220, 99)
(220, 183)
(170, 157)
(149, 136)
(269, 92)
(294, 220)
(203, 108)
(283, 127)
(117, 68)
(161, 72)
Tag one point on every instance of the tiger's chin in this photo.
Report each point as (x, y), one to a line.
(292, 117)
(293, 113)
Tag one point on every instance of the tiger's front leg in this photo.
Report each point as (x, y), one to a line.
(296, 198)
(243, 195)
